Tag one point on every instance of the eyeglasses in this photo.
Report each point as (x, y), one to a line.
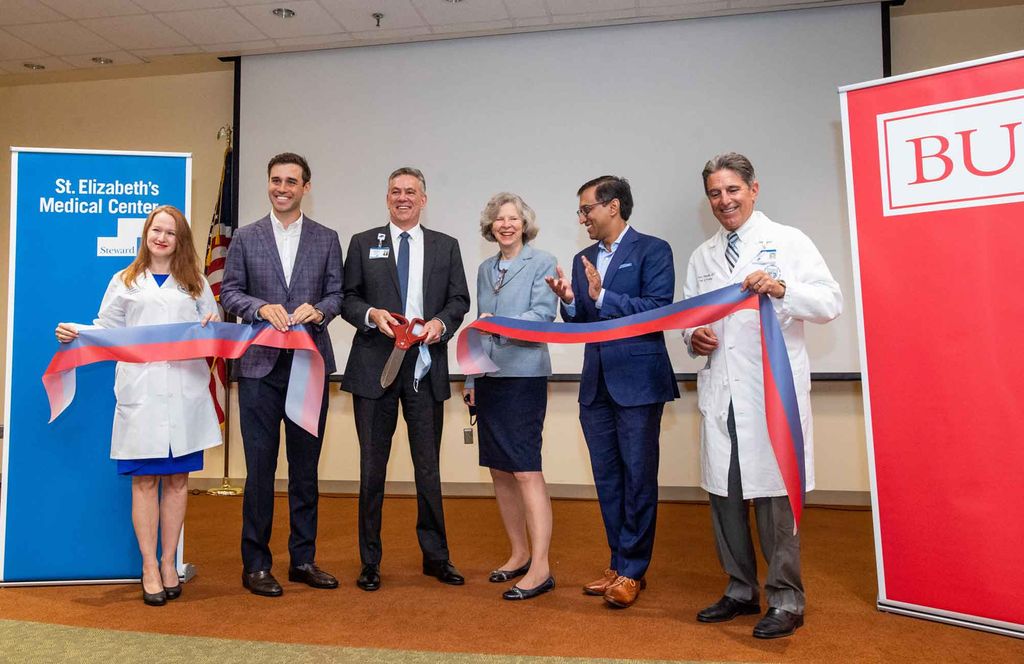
(585, 209)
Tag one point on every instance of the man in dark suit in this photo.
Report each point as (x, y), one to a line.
(406, 269)
(285, 269)
(625, 383)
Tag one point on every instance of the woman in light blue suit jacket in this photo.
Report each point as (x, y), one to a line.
(511, 402)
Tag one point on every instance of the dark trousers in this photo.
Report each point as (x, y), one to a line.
(261, 410)
(781, 547)
(376, 420)
(624, 453)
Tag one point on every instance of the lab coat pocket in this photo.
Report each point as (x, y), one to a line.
(195, 378)
(705, 392)
(130, 383)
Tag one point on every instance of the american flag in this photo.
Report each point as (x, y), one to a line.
(216, 253)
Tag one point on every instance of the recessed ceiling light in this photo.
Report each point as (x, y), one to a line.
(34, 66)
(283, 12)
(102, 61)
(454, 2)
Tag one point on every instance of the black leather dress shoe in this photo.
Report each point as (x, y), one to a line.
(515, 592)
(311, 575)
(503, 575)
(262, 583)
(173, 592)
(777, 623)
(369, 578)
(444, 571)
(727, 608)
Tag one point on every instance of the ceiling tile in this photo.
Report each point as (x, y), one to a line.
(258, 46)
(147, 53)
(212, 26)
(62, 38)
(439, 12)
(310, 19)
(357, 15)
(591, 18)
(397, 35)
(77, 9)
(18, 66)
(482, 26)
(588, 6)
(682, 9)
(119, 58)
(178, 5)
(532, 22)
(11, 48)
(317, 41)
(13, 12)
(526, 8)
(131, 32)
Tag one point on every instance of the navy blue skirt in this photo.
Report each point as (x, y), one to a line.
(510, 416)
(166, 466)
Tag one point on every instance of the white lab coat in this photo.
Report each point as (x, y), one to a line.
(161, 406)
(734, 371)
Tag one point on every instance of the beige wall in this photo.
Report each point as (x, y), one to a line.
(926, 40)
(840, 462)
(183, 113)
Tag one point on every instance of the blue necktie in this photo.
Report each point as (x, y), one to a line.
(732, 254)
(403, 267)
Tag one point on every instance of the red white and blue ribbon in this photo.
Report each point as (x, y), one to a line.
(186, 341)
(781, 409)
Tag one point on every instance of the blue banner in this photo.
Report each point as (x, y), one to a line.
(76, 219)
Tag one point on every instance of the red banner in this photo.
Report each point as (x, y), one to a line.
(935, 179)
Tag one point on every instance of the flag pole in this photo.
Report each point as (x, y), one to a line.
(216, 251)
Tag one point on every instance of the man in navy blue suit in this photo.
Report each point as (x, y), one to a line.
(625, 383)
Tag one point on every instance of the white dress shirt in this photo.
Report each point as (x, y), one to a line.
(287, 239)
(414, 294)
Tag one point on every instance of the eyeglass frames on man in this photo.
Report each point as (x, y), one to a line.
(585, 209)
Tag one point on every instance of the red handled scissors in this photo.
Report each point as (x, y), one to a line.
(408, 333)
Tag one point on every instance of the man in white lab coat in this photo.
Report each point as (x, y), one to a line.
(737, 460)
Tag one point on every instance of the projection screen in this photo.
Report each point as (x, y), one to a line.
(541, 113)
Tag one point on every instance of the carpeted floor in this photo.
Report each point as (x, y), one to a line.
(416, 614)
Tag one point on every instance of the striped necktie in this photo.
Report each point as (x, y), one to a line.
(732, 254)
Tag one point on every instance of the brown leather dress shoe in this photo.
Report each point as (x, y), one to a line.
(261, 583)
(623, 591)
(598, 587)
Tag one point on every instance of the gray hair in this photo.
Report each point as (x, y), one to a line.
(409, 170)
(490, 213)
(732, 161)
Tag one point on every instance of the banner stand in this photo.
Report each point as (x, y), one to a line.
(935, 188)
(76, 219)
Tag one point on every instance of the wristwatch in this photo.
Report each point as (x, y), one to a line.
(783, 284)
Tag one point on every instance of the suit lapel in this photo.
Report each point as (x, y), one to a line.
(302, 255)
(751, 247)
(429, 256)
(265, 231)
(623, 251)
(518, 263)
(392, 259)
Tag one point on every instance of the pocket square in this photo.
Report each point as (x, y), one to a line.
(625, 265)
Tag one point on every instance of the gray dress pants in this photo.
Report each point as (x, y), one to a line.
(781, 548)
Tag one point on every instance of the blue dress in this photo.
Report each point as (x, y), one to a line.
(161, 466)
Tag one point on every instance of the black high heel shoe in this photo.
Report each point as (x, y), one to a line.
(173, 592)
(155, 599)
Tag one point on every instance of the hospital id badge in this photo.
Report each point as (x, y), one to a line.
(379, 252)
